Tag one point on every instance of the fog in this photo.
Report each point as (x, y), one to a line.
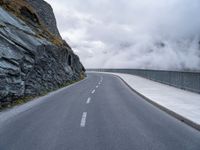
(151, 34)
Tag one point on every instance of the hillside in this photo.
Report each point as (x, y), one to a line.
(33, 57)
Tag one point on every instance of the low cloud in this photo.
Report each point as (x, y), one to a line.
(149, 34)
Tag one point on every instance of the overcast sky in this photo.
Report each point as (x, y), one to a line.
(154, 34)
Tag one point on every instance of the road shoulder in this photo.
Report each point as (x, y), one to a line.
(181, 104)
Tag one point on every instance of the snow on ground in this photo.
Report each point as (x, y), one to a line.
(184, 103)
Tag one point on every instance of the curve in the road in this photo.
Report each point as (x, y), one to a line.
(99, 113)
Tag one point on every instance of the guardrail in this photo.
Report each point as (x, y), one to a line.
(184, 80)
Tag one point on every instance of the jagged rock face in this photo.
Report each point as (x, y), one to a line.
(30, 61)
(46, 14)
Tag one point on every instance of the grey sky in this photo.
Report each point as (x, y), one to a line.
(155, 34)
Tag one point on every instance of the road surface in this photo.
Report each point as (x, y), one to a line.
(98, 113)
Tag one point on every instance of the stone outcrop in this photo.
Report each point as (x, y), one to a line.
(45, 13)
(33, 57)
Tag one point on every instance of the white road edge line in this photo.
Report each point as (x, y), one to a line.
(83, 119)
(93, 91)
(88, 100)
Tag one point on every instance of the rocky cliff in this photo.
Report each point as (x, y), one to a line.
(33, 57)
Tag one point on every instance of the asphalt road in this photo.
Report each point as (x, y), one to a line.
(98, 113)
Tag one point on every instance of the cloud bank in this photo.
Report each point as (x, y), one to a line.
(148, 34)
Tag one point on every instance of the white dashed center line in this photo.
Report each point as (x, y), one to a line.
(84, 116)
(93, 91)
(88, 100)
(83, 119)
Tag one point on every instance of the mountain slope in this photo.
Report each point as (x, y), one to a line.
(33, 57)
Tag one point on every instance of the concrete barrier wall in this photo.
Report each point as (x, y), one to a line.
(184, 80)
